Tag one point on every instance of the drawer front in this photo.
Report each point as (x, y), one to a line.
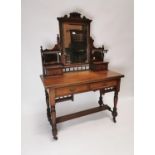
(54, 71)
(71, 90)
(98, 67)
(99, 85)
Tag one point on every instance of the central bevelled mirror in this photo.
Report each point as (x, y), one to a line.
(75, 43)
(75, 34)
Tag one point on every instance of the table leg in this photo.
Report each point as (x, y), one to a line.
(100, 98)
(114, 112)
(53, 113)
(53, 122)
(48, 107)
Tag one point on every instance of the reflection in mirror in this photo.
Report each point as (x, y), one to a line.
(75, 43)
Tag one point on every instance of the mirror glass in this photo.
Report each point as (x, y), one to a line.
(75, 43)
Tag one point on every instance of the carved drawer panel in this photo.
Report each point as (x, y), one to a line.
(71, 90)
(99, 85)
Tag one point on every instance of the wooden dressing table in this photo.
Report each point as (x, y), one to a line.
(75, 66)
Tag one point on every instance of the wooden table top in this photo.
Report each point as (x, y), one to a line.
(78, 77)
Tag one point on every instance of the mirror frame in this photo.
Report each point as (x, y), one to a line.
(74, 18)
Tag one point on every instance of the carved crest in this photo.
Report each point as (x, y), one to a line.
(74, 16)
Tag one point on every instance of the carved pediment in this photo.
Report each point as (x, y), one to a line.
(74, 16)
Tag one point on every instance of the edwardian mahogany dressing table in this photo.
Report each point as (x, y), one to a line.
(74, 66)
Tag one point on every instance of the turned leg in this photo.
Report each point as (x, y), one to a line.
(114, 112)
(53, 113)
(100, 98)
(53, 122)
(48, 107)
(72, 96)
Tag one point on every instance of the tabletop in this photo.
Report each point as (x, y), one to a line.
(78, 77)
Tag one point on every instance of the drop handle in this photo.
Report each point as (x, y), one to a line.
(104, 84)
(72, 89)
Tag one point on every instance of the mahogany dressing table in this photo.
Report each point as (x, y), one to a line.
(75, 66)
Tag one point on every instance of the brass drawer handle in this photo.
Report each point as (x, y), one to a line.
(72, 89)
(105, 84)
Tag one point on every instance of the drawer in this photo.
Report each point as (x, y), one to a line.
(71, 90)
(54, 71)
(99, 85)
